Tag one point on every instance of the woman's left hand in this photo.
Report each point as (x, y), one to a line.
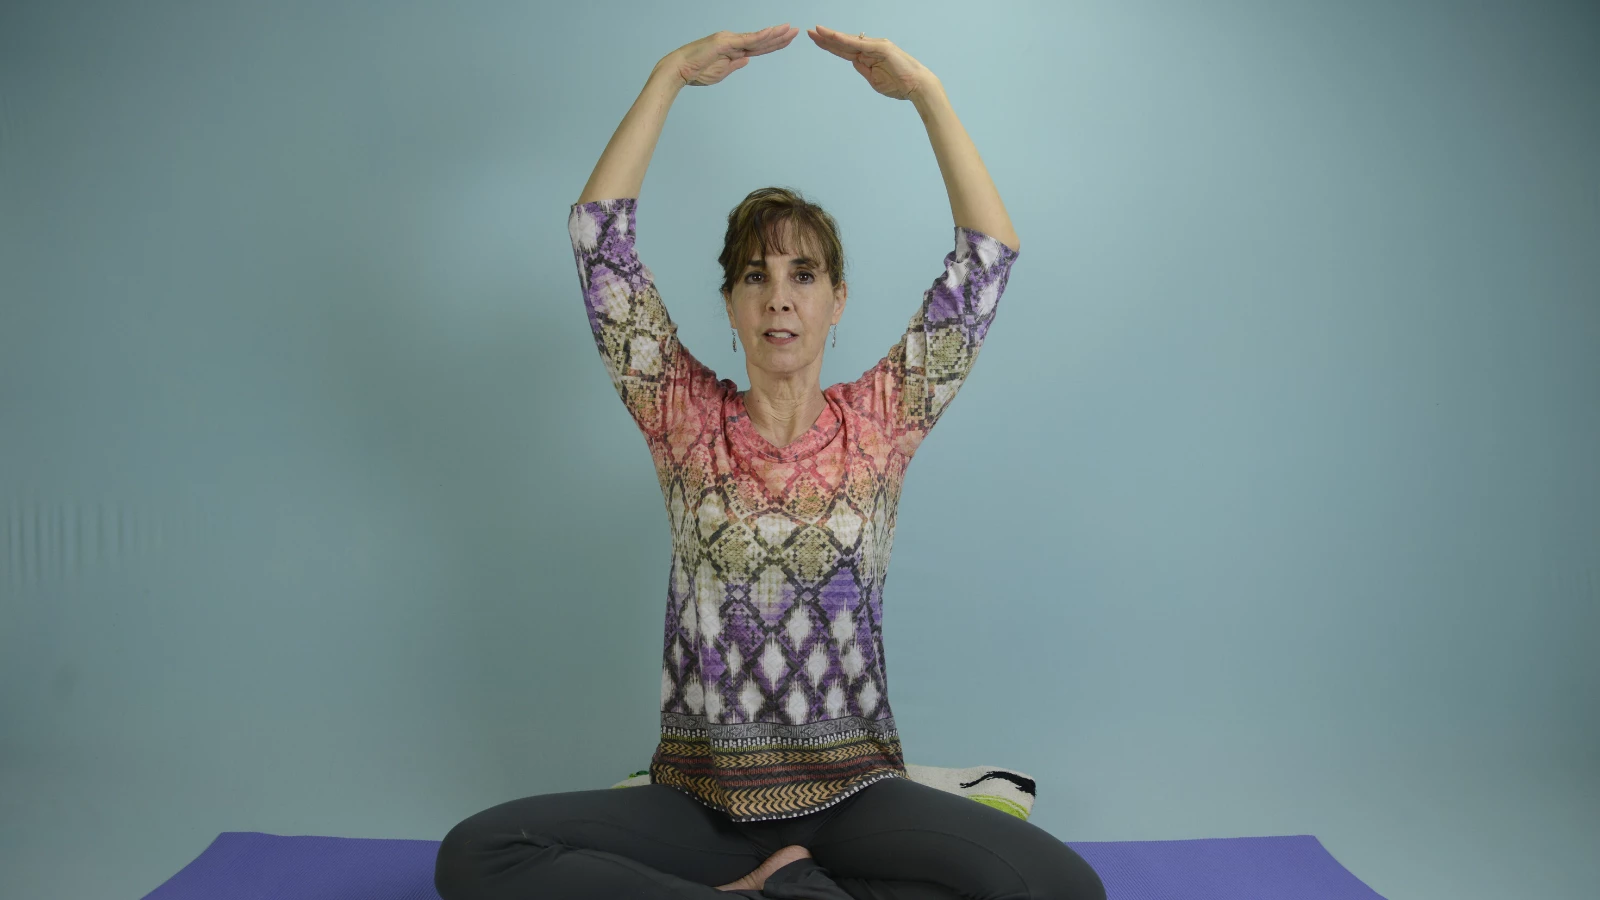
(891, 71)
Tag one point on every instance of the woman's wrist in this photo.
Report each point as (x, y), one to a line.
(929, 97)
(666, 73)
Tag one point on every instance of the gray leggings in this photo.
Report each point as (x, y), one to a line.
(895, 839)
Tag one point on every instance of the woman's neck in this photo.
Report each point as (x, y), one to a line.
(781, 411)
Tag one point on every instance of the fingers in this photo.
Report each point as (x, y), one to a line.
(755, 43)
(844, 46)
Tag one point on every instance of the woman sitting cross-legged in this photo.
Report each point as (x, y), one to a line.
(779, 770)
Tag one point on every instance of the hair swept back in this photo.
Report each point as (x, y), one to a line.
(759, 216)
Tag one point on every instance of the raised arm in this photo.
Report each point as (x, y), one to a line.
(974, 201)
(910, 388)
(658, 380)
(620, 171)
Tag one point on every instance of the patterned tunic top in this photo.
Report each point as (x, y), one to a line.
(774, 693)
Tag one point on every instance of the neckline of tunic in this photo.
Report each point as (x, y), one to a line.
(816, 437)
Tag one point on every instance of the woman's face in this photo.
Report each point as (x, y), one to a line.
(785, 293)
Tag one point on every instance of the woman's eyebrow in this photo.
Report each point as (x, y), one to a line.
(798, 261)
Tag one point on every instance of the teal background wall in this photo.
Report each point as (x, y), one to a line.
(1272, 505)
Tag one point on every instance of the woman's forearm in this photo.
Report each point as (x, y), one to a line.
(620, 171)
(974, 201)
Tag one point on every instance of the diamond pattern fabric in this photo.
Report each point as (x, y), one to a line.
(774, 687)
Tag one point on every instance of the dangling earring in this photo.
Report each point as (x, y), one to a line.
(735, 339)
(835, 335)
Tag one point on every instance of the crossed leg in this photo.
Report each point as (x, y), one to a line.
(901, 840)
(895, 839)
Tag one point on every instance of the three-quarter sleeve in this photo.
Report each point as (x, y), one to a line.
(657, 379)
(910, 388)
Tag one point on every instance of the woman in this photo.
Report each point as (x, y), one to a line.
(779, 771)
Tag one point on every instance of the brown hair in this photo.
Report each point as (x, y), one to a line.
(760, 215)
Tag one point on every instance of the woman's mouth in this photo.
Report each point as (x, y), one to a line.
(780, 337)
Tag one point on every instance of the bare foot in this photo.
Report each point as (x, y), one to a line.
(757, 880)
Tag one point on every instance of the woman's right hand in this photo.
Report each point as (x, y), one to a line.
(710, 59)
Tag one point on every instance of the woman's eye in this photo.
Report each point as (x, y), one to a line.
(755, 274)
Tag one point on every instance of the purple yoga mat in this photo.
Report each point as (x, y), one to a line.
(249, 865)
